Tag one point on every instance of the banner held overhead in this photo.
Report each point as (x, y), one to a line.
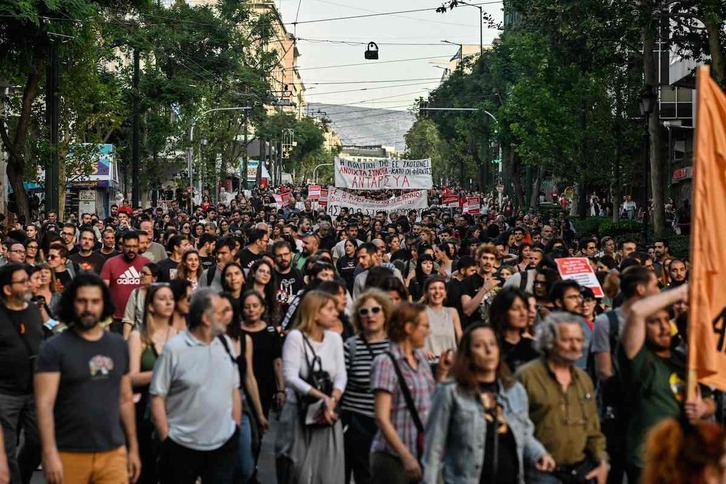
(337, 199)
(383, 174)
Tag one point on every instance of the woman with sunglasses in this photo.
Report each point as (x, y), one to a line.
(398, 444)
(480, 415)
(146, 343)
(182, 290)
(371, 314)
(134, 312)
(32, 252)
(186, 228)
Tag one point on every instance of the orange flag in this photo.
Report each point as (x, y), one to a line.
(707, 314)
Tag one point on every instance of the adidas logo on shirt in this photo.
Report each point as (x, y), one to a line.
(130, 276)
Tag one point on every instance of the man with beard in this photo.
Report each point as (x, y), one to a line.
(20, 337)
(83, 392)
(290, 279)
(311, 243)
(86, 258)
(196, 417)
(678, 273)
(122, 275)
(224, 254)
(654, 376)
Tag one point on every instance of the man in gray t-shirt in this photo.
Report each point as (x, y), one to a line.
(195, 400)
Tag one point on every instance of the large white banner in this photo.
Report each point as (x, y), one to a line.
(383, 174)
(337, 199)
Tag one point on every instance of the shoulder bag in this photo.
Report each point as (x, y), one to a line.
(406, 392)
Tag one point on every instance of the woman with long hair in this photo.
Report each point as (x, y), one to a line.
(134, 312)
(376, 231)
(224, 228)
(395, 290)
(182, 290)
(393, 245)
(233, 280)
(509, 316)
(347, 263)
(309, 446)
(442, 255)
(444, 322)
(524, 257)
(398, 444)
(544, 279)
(146, 343)
(261, 278)
(252, 412)
(267, 357)
(32, 252)
(417, 278)
(371, 314)
(190, 267)
(481, 404)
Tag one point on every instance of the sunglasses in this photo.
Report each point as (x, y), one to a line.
(363, 312)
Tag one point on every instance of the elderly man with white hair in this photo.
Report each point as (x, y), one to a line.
(562, 404)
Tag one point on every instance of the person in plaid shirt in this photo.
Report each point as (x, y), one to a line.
(397, 446)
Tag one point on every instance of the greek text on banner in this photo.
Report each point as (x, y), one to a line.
(383, 174)
(337, 199)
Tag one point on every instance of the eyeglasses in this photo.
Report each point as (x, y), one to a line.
(542, 283)
(17, 251)
(21, 281)
(363, 312)
(53, 257)
(32, 247)
(145, 273)
(68, 234)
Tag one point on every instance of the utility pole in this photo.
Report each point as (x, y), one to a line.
(136, 128)
(52, 170)
(245, 159)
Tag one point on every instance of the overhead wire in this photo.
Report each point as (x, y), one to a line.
(369, 64)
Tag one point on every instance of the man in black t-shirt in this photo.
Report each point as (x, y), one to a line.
(258, 241)
(289, 279)
(83, 392)
(176, 246)
(465, 268)
(86, 258)
(20, 337)
(480, 285)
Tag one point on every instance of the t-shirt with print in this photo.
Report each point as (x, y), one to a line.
(93, 262)
(470, 286)
(658, 387)
(62, 280)
(288, 286)
(87, 412)
(168, 269)
(123, 277)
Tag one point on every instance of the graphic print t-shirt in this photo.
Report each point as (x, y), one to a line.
(123, 277)
(288, 286)
(87, 416)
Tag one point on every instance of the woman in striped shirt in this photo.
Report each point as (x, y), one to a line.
(370, 317)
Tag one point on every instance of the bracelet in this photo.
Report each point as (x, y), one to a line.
(279, 391)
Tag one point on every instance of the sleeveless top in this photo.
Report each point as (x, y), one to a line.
(442, 336)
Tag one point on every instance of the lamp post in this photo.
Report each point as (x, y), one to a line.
(648, 98)
(481, 26)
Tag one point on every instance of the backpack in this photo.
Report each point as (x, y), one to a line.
(210, 274)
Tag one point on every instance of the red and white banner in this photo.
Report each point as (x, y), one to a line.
(579, 269)
(337, 199)
(472, 206)
(323, 202)
(383, 174)
(313, 192)
(451, 201)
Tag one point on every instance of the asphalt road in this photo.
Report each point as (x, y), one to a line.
(266, 465)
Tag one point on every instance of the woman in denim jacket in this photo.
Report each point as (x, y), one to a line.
(481, 397)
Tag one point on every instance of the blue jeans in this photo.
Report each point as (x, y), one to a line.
(245, 457)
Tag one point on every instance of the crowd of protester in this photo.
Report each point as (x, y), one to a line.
(429, 346)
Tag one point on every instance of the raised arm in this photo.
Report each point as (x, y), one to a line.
(633, 336)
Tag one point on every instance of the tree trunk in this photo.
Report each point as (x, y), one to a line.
(515, 175)
(718, 58)
(648, 33)
(16, 181)
(536, 186)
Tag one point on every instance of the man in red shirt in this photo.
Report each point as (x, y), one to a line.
(122, 275)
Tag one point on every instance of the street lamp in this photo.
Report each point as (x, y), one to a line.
(648, 98)
(481, 25)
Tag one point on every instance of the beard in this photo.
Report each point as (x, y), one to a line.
(129, 256)
(86, 321)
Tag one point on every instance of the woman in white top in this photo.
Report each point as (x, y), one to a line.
(445, 324)
(309, 447)
(134, 311)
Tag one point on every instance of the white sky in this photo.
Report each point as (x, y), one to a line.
(458, 25)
